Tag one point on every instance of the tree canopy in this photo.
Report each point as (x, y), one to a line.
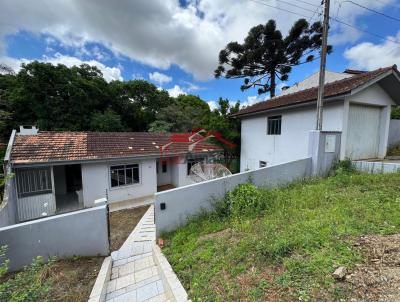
(265, 55)
(55, 97)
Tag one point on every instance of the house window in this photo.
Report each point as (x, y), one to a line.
(33, 181)
(164, 167)
(274, 125)
(157, 167)
(191, 163)
(124, 175)
(263, 164)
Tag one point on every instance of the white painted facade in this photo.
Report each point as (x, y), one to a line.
(292, 143)
(97, 184)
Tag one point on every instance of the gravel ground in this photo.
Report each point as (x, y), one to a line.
(378, 278)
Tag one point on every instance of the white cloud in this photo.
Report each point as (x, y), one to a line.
(176, 91)
(109, 73)
(160, 33)
(159, 78)
(213, 105)
(372, 56)
(251, 100)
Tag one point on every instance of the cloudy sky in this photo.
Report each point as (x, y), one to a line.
(175, 44)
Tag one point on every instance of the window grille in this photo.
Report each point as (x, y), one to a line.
(33, 181)
(274, 125)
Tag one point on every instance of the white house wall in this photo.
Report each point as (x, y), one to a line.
(96, 182)
(164, 178)
(292, 144)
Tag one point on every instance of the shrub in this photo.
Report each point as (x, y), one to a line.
(245, 199)
(395, 113)
(345, 166)
(27, 285)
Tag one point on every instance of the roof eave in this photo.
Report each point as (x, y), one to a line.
(97, 160)
(292, 106)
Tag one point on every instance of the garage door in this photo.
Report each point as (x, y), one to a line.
(363, 132)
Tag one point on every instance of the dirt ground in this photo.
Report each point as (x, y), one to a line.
(73, 279)
(378, 278)
(122, 224)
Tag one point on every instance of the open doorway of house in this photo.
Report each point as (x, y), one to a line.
(68, 188)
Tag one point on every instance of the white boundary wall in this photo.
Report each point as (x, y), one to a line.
(181, 203)
(394, 132)
(376, 167)
(79, 233)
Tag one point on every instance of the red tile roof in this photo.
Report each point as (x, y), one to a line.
(332, 89)
(49, 146)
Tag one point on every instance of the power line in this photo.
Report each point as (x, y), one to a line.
(298, 6)
(364, 31)
(371, 10)
(279, 8)
(332, 18)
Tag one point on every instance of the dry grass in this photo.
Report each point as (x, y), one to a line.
(73, 279)
(122, 224)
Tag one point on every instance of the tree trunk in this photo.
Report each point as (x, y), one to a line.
(273, 84)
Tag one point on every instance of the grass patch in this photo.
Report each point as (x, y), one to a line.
(290, 247)
(59, 280)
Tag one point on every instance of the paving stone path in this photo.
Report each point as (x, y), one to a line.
(134, 275)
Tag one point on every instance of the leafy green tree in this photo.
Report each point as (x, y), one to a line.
(7, 82)
(395, 113)
(58, 97)
(106, 122)
(266, 55)
(186, 113)
(220, 122)
(137, 102)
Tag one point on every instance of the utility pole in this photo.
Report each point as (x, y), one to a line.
(320, 98)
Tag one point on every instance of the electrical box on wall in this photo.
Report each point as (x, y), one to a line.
(330, 143)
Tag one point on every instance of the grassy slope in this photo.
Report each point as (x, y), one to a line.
(291, 249)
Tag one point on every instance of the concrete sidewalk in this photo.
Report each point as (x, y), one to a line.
(134, 275)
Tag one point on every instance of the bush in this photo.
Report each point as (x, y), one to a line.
(245, 199)
(343, 166)
(27, 285)
(395, 113)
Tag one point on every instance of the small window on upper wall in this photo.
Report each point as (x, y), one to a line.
(263, 164)
(274, 125)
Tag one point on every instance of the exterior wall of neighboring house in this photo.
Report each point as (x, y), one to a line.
(179, 175)
(356, 134)
(164, 178)
(313, 81)
(96, 181)
(292, 143)
(394, 133)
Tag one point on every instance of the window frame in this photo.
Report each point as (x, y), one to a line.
(20, 178)
(195, 160)
(262, 164)
(272, 128)
(125, 175)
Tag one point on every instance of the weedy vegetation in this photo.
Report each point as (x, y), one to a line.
(283, 244)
